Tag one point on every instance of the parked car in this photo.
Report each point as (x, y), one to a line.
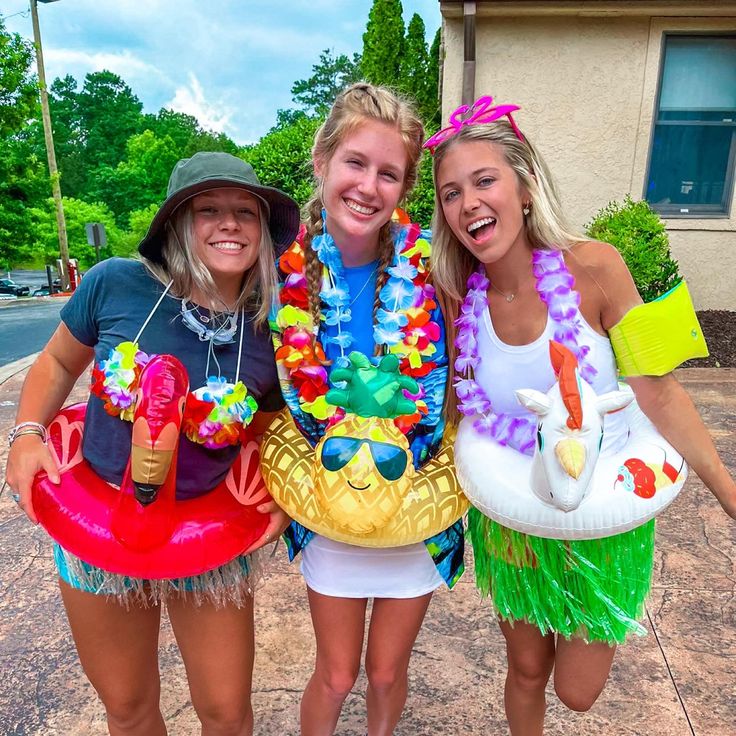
(42, 291)
(8, 286)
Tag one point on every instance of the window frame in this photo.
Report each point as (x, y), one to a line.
(700, 211)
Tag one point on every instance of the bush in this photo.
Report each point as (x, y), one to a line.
(638, 233)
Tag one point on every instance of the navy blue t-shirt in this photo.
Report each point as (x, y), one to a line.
(109, 307)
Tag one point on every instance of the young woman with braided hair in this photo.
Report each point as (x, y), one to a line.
(347, 276)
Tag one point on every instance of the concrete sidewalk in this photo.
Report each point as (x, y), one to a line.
(679, 680)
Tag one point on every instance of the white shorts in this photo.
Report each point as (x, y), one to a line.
(346, 571)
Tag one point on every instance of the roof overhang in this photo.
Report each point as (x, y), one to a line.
(592, 8)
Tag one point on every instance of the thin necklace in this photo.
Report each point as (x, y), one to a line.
(508, 297)
(362, 288)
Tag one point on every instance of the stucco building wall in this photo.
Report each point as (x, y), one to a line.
(588, 86)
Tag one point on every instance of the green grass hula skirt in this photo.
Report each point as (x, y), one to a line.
(591, 588)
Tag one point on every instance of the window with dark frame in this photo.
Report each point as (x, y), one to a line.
(691, 162)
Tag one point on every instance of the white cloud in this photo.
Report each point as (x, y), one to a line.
(124, 64)
(214, 115)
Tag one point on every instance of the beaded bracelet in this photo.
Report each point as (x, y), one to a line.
(27, 428)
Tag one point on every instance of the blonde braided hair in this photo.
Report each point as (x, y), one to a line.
(313, 271)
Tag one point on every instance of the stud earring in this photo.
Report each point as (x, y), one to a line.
(526, 210)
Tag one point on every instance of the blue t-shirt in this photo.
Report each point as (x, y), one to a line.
(361, 281)
(109, 307)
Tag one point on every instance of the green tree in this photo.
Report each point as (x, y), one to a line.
(329, 77)
(186, 133)
(414, 69)
(282, 158)
(138, 224)
(287, 118)
(78, 213)
(433, 108)
(383, 43)
(208, 141)
(69, 138)
(18, 89)
(140, 179)
(109, 114)
(23, 182)
(420, 203)
(178, 126)
(91, 127)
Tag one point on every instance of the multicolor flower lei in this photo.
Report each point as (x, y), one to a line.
(403, 322)
(554, 285)
(214, 415)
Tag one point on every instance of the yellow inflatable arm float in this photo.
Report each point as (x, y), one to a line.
(653, 339)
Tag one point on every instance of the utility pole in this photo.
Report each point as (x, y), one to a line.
(49, 137)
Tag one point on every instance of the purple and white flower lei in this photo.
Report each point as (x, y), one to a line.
(554, 286)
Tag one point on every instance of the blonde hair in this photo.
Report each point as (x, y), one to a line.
(545, 225)
(354, 106)
(182, 266)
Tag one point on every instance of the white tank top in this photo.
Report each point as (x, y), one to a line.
(505, 368)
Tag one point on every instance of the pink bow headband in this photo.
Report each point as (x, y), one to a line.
(482, 111)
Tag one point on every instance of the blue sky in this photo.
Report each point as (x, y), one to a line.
(230, 64)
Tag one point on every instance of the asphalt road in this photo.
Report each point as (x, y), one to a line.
(25, 326)
(33, 279)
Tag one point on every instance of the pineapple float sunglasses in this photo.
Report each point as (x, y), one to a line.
(390, 460)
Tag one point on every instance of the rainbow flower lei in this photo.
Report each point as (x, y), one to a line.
(403, 322)
(554, 284)
(214, 415)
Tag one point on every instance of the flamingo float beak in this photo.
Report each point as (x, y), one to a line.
(150, 459)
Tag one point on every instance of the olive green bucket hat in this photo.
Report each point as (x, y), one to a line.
(205, 171)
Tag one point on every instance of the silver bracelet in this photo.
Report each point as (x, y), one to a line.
(28, 428)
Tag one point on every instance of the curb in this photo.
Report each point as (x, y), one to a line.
(34, 300)
(12, 369)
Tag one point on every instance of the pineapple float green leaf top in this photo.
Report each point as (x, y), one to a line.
(373, 391)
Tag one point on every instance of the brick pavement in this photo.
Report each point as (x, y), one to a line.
(677, 681)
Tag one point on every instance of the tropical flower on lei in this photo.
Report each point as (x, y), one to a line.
(215, 414)
(397, 293)
(295, 291)
(299, 348)
(403, 321)
(115, 380)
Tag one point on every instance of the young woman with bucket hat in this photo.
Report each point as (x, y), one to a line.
(162, 500)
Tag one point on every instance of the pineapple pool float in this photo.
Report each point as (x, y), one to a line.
(359, 484)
